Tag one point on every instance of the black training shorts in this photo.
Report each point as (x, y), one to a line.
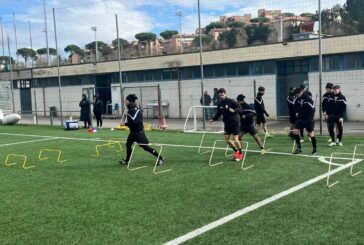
(248, 129)
(231, 129)
(308, 125)
(260, 119)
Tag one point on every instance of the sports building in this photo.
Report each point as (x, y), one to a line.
(277, 67)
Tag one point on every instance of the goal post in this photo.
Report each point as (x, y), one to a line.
(194, 120)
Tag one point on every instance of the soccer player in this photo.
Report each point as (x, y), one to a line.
(134, 120)
(336, 116)
(260, 110)
(305, 119)
(291, 98)
(231, 122)
(247, 115)
(325, 105)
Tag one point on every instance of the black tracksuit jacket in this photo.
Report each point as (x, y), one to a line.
(305, 108)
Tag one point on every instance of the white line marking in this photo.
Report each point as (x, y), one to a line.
(26, 142)
(323, 160)
(185, 146)
(255, 206)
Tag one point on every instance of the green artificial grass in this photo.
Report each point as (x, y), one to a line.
(94, 200)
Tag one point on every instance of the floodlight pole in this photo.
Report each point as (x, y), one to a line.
(201, 63)
(320, 64)
(119, 63)
(58, 72)
(179, 14)
(31, 41)
(46, 31)
(11, 77)
(2, 35)
(16, 41)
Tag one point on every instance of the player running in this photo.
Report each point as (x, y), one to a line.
(305, 113)
(134, 120)
(231, 122)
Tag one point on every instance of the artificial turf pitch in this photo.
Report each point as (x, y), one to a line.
(94, 200)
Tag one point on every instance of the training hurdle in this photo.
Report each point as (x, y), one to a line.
(353, 162)
(13, 163)
(200, 146)
(109, 145)
(218, 163)
(156, 161)
(354, 155)
(50, 150)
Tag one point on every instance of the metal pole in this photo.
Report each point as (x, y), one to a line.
(46, 31)
(31, 41)
(201, 62)
(281, 29)
(2, 35)
(179, 93)
(11, 77)
(97, 51)
(59, 76)
(36, 108)
(179, 14)
(119, 63)
(320, 65)
(16, 40)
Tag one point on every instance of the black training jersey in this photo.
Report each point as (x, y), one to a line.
(291, 99)
(305, 108)
(259, 104)
(246, 114)
(134, 120)
(338, 105)
(326, 101)
(223, 109)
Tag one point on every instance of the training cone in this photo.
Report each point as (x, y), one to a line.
(163, 125)
(90, 130)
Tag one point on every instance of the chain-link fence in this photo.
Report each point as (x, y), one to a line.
(274, 44)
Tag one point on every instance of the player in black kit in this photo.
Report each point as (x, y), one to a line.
(326, 100)
(247, 115)
(305, 113)
(231, 122)
(134, 120)
(337, 110)
(260, 110)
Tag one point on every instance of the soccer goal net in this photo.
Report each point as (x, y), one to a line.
(195, 122)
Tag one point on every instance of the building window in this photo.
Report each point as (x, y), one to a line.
(231, 69)
(166, 74)
(157, 75)
(148, 76)
(269, 67)
(187, 73)
(258, 68)
(243, 69)
(219, 70)
(140, 76)
(331, 63)
(197, 72)
(353, 61)
(314, 64)
(132, 77)
(208, 71)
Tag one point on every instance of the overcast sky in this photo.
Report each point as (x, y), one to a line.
(74, 18)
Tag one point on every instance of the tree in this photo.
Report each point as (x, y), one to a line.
(91, 45)
(124, 43)
(235, 24)
(26, 53)
(288, 14)
(228, 38)
(167, 34)
(73, 49)
(260, 20)
(257, 33)
(207, 41)
(5, 60)
(355, 9)
(43, 51)
(213, 25)
(146, 36)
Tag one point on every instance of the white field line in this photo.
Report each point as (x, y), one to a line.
(255, 206)
(186, 146)
(26, 142)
